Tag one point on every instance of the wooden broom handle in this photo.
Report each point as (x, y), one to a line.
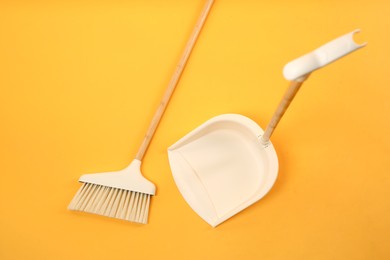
(174, 80)
(281, 109)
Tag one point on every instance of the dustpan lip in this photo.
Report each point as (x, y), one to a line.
(211, 217)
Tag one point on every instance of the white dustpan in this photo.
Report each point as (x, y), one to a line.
(216, 167)
(228, 163)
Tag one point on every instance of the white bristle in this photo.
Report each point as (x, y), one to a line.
(112, 202)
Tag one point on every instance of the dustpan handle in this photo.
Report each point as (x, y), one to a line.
(281, 109)
(174, 80)
(299, 69)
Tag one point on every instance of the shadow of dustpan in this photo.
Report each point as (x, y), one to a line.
(229, 163)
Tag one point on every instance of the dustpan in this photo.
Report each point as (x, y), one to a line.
(216, 167)
(228, 163)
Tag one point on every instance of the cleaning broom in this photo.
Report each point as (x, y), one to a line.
(126, 194)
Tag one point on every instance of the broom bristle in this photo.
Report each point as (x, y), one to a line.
(112, 202)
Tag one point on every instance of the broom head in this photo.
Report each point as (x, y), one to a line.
(122, 194)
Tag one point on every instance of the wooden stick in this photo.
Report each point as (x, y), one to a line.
(281, 109)
(174, 80)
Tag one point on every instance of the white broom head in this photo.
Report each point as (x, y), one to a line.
(122, 194)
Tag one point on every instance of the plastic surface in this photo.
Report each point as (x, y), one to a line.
(332, 51)
(221, 167)
(130, 178)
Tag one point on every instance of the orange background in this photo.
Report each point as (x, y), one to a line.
(80, 81)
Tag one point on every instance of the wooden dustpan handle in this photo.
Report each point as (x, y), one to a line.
(174, 80)
(299, 69)
(281, 109)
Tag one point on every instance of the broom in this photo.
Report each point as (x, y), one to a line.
(126, 194)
